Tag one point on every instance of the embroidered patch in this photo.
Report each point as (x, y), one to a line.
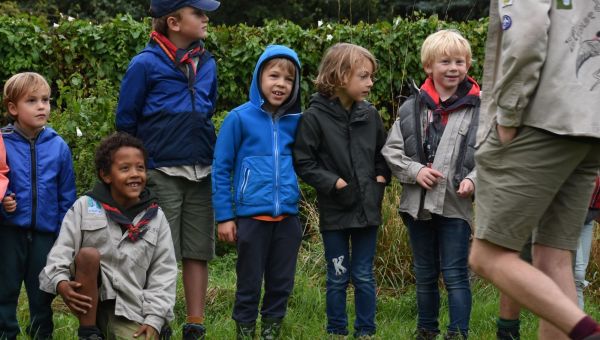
(93, 207)
(564, 4)
(507, 3)
(506, 22)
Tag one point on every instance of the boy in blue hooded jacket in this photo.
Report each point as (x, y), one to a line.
(253, 158)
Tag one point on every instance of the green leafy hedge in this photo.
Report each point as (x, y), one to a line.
(85, 63)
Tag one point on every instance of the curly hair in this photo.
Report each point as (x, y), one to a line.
(109, 145)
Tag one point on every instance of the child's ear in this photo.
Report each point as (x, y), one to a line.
(12, 109)
(106, 178)
(428, 69)
(173, 24)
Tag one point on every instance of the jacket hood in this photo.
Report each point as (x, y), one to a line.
(293, 103)
(333, 106)
(101, 193)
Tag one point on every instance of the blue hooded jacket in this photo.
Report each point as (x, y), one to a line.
(41, 177)
(255, 146)
(171, 116)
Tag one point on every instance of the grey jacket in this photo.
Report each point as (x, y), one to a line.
(542, 66)
(140, 276)
(442, 198)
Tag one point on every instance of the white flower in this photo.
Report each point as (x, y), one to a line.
(70, 18)
(319, 23)
(329, 37)
(55, 25)
(79, 133)
(329, 26)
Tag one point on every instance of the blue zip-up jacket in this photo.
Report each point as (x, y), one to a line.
(255, 146)
(171, 117)
(41, 177)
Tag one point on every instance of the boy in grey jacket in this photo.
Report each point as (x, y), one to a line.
(537, 163)
(119, 242)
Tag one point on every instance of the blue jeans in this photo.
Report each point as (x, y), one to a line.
(441, 245)
(349, 254)
(582, 259)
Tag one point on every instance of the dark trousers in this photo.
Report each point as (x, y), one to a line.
(22, 257)
(265, 250)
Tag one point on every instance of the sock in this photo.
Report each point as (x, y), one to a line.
(504, 323)
(585, 327)
(194, 319)
(85, 331)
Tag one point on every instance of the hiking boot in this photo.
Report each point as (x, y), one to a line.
(193, 331)
(452, 335)
(424, 334)
(245, 331)
(511, 333)
(270, 328)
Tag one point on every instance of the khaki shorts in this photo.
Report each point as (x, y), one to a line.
(113, 326)
(538, 184)
(188, 208)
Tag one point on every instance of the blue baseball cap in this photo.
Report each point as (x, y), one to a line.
(160, 8)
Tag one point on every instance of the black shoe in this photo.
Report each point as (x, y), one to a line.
(424, 334)
(193, 331)
(89, 333)
(270, 328)
(510, 333)
(453, 335)
(245, 331)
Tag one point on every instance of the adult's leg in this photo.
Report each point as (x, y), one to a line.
(13, 252)
(453, 240)
(280, 267)
(423, 237)
(336, 244)
(364, 243)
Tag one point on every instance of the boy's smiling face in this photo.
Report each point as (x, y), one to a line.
(447, 72)
(276, 84)
(127, 176)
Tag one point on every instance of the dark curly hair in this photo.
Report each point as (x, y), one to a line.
(109, 145)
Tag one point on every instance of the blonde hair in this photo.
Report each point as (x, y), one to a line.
(160, 24)
(19, 85)
(337, 66)
(445, 43)
(285, 64)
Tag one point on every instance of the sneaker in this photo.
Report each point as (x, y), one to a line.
(193, 331)
(424, 334)
(245, 331)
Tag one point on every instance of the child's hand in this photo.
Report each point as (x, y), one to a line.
(380, 179)
(340, 183)
(9, 203)
(227, 231)
(465, 188)
(428, 177)
(77, 303)
(148, 330)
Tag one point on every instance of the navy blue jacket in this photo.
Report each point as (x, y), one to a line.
(255, 146)
(42, 178)
(171, 118)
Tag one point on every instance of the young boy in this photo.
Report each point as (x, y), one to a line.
(253, 156)
(167, 99)
(537, 163)
(41, 179)
(120, 245)
(430, 150)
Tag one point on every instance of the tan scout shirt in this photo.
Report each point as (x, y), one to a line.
(542, 65)
(140, 276)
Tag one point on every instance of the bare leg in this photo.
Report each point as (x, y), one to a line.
(525, 284)
(558, 265)
(509, 308)
(87, 266)
(195, 284)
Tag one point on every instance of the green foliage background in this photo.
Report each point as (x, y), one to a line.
(85, 63)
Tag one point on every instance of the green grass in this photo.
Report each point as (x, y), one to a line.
(396, 309)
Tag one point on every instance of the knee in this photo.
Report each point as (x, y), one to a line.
(87, 259)
(337, 280)
(456, 278)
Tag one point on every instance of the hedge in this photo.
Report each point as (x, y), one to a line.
(85, 63)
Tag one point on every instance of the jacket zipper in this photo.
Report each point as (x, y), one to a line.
(274, 126)
(33, 183)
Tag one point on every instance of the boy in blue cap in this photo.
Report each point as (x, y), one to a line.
(167, 99)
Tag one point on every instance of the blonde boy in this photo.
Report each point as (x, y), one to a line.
(430, 150)
(168, 96)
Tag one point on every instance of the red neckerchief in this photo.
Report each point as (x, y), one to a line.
(137, 231)
(178, 56)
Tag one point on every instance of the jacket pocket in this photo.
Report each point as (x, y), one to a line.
(346, 196)
(94, 233)
(255, 185)
(142, 251)
(289, 190)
